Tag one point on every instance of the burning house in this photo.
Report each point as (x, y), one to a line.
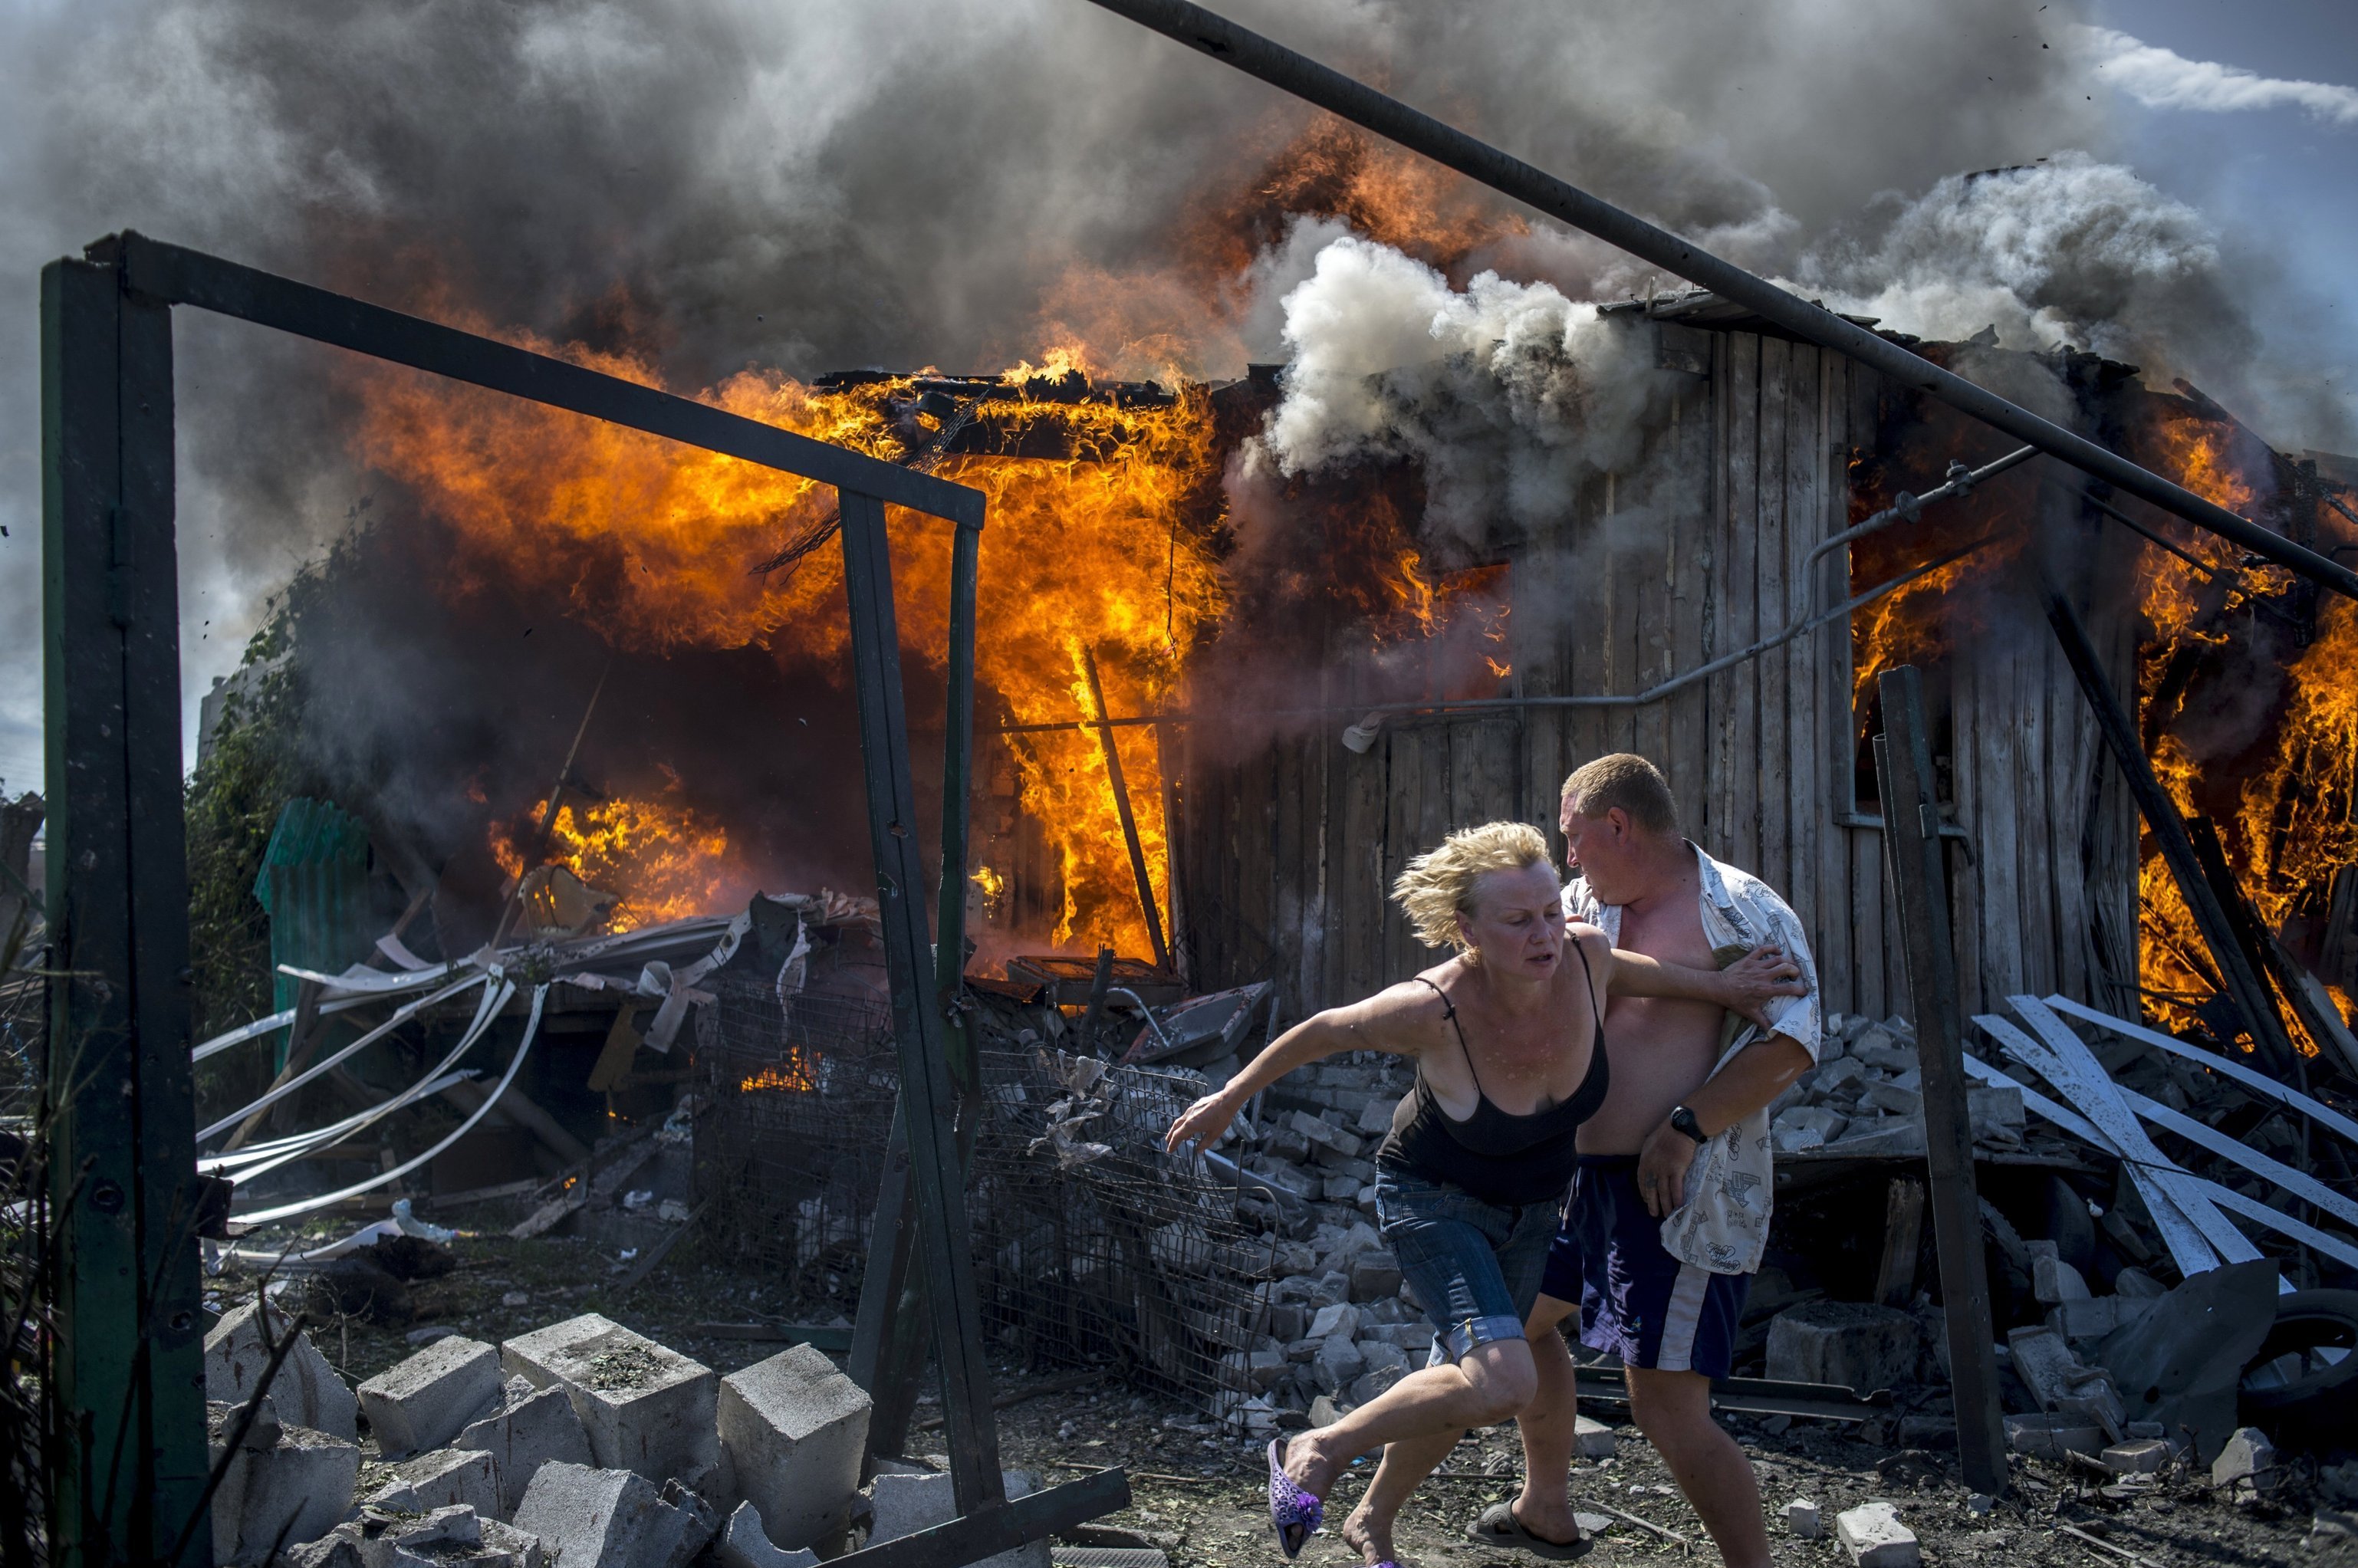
(568, 749)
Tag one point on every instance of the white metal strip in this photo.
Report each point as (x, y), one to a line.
(401, 1015)
(2297, 1183)
(2085, 1083)
(495, 997)
(2251, 1078)
(2189, 1248)
(306, 1205)
(2331, 1245)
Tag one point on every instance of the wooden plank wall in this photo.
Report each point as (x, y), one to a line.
(1290, 853)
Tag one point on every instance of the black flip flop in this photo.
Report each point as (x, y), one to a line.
(1499, 1526)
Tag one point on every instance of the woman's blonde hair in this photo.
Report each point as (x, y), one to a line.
(1438, 885)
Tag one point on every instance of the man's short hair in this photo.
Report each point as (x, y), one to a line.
(1629, 782)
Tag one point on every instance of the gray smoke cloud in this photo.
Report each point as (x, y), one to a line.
(899, 182)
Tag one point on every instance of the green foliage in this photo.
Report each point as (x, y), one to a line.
(234, 800)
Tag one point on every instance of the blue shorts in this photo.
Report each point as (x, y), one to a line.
(1655, 1312)
(1474, 1265)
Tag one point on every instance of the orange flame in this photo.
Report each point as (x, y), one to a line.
(660, 859)
(796, 1074)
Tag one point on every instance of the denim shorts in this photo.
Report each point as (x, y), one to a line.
(1475, 1265)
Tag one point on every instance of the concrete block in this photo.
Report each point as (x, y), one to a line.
(1340, 1189)
(1887, 1135)
(1801, 1519)
(1382, 1356)
(1823, 1122)
(445, 1537)
(2046, 1437)
(2053, 1281)
(1338, 1365)
(1377, 1119)
(744, 1544)
(2092, 1317)
(644, 1408)
(1342, 1318)
(285, 1485)
(1594, 1439)
(1996, 1113)
(531, 1427)
(2136, 1284)
(339, 1548)
(1873, 1536)
(445, 1477)
(307, 1391)
(906, 1504)
(1375, 1276)
(1851, 1344)
(1893, 1100)
(1373, 1384)
(2246, 1456)
(2138, 1456)
(423, 1402)
(612, 1518)
(1324, 1412)
(792, 1429)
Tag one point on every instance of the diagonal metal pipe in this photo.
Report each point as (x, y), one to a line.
(1389, 117)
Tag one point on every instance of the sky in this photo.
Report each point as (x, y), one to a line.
(2245, 112)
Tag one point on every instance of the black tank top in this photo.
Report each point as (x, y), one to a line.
(1501, 1158)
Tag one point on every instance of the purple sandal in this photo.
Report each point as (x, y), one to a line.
(1293, 1511)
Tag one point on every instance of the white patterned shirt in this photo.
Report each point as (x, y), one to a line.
(1724, 1224)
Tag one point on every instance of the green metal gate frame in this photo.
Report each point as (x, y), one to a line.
(125, 1362)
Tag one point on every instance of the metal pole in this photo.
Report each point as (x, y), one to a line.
(945, 1245)
(1911, 848)
(2244, 986)
(125, 1367)
(1122, 809)
(1362, 106)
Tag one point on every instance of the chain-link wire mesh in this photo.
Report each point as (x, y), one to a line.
(1092, 1246)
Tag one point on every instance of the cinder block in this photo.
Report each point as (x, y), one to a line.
(2247, 1456)
(1594, 1438)
(445, 1477)
(907, 1503)
(423, 1402)
(444, 1537)
(1341, 1318)
(745, 1545)
(2140, 1456)
(1375, 1276)
(284, 1485)
(645, 1407)
(2052, 1438)
(306, 1390)
(1338, 1365)
(1873, 1536)
(612, 1518)
(1850, 1344)
(2053, 1281)
(531, 1427)
(1801, 1518)
(793, 1429)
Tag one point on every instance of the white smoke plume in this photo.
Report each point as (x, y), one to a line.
(714, 183)
(2163, 79)
(1508, 395)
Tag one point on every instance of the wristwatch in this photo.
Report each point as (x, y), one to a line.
(1683, 1121)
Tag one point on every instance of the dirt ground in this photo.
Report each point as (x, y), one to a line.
(1199, 1492)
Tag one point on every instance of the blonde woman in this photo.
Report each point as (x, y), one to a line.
(1507, 1038)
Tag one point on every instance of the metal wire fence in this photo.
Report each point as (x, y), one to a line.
(1092, 1246)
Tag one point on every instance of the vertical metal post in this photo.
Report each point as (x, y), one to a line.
(888, 1343)
(944, 1244)
(2247, 990)
(1121, 808)
(126, 1364)
(1912, 848)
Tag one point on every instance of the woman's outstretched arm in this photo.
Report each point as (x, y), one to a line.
(1394, 1020)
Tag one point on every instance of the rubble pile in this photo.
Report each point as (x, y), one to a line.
(580, 1444)
(1866, 1097)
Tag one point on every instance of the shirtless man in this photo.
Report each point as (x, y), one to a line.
(1506, 1040)
(1670, 1208)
